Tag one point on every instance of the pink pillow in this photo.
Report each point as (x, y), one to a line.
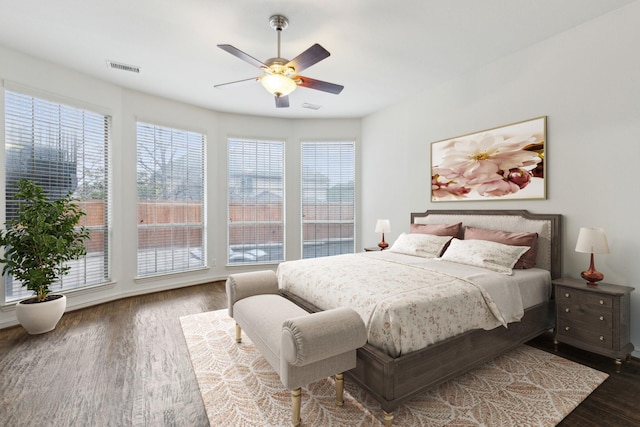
(527, 260)
(437, 229)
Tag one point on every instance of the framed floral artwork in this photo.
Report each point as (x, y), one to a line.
(502, 163)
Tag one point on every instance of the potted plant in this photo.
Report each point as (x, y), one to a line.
(37, 244)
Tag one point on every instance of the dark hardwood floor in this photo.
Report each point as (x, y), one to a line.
(125, 363)
(615, 402)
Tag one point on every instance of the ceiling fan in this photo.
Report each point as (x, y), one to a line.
(281, 75)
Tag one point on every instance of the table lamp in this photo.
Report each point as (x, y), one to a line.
(592, 240)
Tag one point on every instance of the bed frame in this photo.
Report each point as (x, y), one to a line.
(392, 381)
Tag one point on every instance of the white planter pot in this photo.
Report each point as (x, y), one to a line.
(41, 317)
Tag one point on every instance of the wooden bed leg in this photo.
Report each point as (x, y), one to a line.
(295, 406)
(238, 333)
(387, 418)
(340, 389)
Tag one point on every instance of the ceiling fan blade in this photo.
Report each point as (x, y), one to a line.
(240, 54)
(282, 101)
(306, 59)
(237, 83)
(318, 85)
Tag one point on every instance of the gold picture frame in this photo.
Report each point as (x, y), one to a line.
(502, 163)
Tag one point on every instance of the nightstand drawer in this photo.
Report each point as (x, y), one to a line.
(577, 333)
(583, 298)
(600, 318)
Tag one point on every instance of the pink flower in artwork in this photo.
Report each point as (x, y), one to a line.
(520, 177)
(482, 158)
(497, 188)
(451, 188)
(447, 183)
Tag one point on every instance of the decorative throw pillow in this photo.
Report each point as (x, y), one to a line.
(484, 253)
(527, 260)
(422, 245)
(452, 230)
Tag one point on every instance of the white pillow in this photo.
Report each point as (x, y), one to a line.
(422, 245)
(484, 253)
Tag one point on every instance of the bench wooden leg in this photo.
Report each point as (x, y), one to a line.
(238, 333)
(295, 406)
(340, 389)
(387, 418)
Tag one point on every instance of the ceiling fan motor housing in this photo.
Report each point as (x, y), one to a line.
(279, 66)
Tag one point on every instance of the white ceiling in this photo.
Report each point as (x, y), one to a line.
(381, 50)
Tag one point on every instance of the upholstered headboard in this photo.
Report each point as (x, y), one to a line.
(546, 225)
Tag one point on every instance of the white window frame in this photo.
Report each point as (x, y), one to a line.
(255, 176)
(36, 128)
(171, 200)
(328, 180)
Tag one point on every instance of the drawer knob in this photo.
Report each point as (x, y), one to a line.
(601, 317)
(601, 338)
(601, 302)
(567, 294)
(567, 310)
(566, 328)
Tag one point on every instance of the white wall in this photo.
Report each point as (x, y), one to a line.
(126, 107)
(587, 82)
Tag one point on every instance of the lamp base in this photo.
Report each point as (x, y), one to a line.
(592, 277)
(383, 245)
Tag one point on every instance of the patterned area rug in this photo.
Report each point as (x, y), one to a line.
(526, 387)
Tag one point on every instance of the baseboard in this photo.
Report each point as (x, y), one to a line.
(71, 306)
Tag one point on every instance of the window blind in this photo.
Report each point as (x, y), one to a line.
(171, 199)
(255, 180)
(62, 149)
(328, 198)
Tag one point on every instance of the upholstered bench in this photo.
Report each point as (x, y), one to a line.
(301, 347)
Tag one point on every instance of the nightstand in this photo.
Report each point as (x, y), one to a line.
(372, 249)
(593, 318)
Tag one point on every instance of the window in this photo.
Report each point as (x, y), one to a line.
(171, 204)
(62, 149)
(328, 198)
(255, 201)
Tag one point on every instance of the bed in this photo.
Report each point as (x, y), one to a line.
(408, 358)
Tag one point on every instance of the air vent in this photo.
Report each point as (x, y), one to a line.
(123, 67)
(311, 106)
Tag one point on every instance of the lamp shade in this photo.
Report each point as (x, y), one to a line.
(592, 240)
(278, 84)
(383, 226)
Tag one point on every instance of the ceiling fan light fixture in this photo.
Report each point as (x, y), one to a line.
(278, 85)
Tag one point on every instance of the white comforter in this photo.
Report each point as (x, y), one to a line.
(406, 302)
